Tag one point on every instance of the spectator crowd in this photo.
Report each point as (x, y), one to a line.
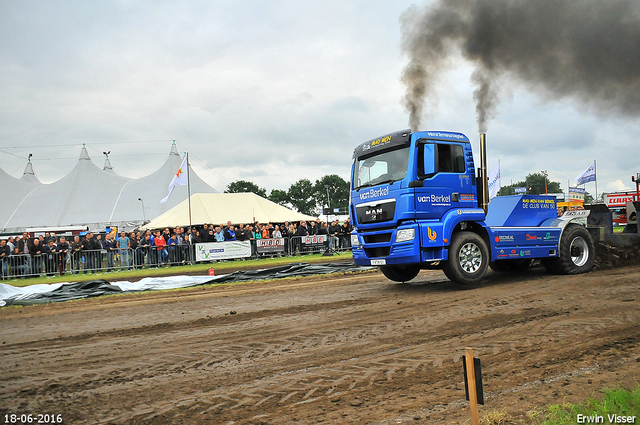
(26, 256)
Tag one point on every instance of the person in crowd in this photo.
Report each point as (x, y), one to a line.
(62, 249)
(211, 235)
(301, 232)
(265, 232)
(35, 251)
(49, 255)
(24, 243)
(166, 234)
(242, 234)
(230, 233)
(109, 245)
(91, 249)
(345, 233)
(11, 243)
(19, 263)
(172, 247)
(276, 233)
(334, 232)
(146, 244)
(123, 245)
(75, 248)
(160, 245)
(219, 236)
(5, 252)
(134, 253)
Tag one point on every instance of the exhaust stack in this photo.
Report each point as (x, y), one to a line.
(483, 194)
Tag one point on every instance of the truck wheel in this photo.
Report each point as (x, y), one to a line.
(468, 258)
(576, 251)
(400, 273)
(519, 265)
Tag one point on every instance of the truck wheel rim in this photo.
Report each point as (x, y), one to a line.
(579, 251)
(470, 257)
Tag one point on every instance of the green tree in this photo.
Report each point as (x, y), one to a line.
(535, 186)
(242, 186)
(302, 197)
(338, 192)
(280, 197)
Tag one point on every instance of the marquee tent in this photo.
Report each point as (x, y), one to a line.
(91, 196)
(218, 208)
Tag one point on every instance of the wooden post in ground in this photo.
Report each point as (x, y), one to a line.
(471, 380)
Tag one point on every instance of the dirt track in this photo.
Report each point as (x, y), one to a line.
(346, 349)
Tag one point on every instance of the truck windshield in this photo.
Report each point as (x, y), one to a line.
(385, 167)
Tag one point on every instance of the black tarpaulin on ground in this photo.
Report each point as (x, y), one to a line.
(37, 294)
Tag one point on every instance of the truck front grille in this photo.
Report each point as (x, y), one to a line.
(377, 238)
(377, 252)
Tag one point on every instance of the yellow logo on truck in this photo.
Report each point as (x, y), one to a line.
(432, 234)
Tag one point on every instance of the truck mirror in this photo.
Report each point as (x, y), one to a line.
(429, 159)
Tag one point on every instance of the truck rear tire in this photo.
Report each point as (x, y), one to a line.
(576, 252)
(400, 273)
(468, 258)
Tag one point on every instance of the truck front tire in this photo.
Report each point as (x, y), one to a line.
(576, 252)
(468, 258)
(400, 273)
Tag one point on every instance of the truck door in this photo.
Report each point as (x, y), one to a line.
(447, 180)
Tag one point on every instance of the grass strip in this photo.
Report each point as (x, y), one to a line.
(618, 405)
(196, 269)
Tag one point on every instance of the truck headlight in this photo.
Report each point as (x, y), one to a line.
(404, 235)
(354, 240)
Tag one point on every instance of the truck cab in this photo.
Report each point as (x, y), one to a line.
(415, 204)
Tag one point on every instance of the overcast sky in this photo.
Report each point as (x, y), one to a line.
(270, 92)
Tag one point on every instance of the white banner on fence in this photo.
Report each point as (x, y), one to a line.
(312, 240)
(270, 245)
(222, 250)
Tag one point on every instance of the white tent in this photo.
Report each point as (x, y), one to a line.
(218, 208)
(91, 196)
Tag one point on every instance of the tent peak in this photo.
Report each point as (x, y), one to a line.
(84, 154)
(174, 149)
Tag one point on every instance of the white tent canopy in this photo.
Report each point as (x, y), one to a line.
(218, 208)
(91, 196)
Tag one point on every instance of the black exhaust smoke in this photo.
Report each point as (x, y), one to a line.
(587, 50)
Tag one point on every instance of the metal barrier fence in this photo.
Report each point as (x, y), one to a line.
(91, 261)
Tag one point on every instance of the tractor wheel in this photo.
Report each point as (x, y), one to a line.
(400, 273)
(468, 258)
(576, 251)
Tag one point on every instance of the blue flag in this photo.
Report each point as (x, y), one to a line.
(588, 175)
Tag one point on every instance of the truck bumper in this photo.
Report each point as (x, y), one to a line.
(379, 248)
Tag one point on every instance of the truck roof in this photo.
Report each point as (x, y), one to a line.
(402, 137)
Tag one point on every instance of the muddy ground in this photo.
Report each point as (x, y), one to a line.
(335, 349)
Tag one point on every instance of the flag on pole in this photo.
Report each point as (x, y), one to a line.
(588, 175)
(180, 179)
(494, 181)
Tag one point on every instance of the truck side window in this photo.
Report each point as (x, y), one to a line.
(450, 159)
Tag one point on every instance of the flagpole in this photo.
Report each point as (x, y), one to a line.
(596, 175)
(189, 198)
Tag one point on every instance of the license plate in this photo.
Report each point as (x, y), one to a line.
(378, 262)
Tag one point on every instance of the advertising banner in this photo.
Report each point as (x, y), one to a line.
(270, 245)
(619, 200)
(222, 250)
(314, 240)
(576, 194)
(520, 189)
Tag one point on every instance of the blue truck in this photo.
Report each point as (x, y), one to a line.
(416, 203)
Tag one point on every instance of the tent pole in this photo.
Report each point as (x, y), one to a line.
(189, 197)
